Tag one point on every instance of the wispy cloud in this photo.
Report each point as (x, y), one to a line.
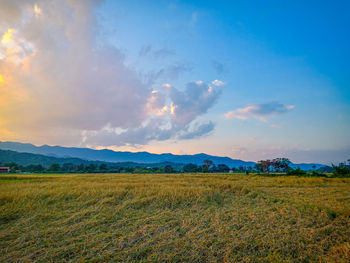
(149, 50)
(219, 67)
(259, 111)
(218, 83)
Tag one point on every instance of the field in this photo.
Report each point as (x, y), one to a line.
(173, 218)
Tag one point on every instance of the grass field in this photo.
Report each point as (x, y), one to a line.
(173, 218)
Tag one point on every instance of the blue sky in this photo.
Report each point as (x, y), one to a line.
(288, 52)
(244, 79)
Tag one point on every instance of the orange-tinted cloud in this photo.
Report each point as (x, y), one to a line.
(62, 87)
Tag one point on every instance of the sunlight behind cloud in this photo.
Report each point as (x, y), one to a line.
(7, 37)
(37, 10)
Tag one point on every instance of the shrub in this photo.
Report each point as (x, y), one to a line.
(297, 171)
(341, 171)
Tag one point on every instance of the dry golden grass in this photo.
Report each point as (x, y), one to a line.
(173, 218)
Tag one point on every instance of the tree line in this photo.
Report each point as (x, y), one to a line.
(274, 167)
(208, 166)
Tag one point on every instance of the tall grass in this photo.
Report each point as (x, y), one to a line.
(173, 218)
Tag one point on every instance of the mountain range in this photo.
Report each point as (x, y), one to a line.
(133, 157)
(22, 158)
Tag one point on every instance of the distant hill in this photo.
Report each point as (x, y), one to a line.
(308, 166)
(116, 156)
(141, 158)
(7, 156)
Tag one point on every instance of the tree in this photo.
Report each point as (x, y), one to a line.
(280, 164)
(297, 171)
(35, 168)
(264, 166)
(129, 169)
(207, 164)
(258, 167)
(103, 167)
(54, 167)
(14, 166)
(241, 169)
(341, 171)
(168, 169)
(80, 167)
(223, 168)
(91, 168)
(190, 167)
(67, 167)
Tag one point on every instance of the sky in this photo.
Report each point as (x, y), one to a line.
(249, 80)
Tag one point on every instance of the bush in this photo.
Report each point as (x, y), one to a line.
(341, 171)
(317, 174)
(297, 171)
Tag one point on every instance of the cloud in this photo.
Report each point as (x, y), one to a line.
(194, 101)
(145, 50)
(153, 131)
(198, 131)
(218, 83)
(296, 154)
(170, 72)
(61, 84)
(148, 50)
(253, 138)
(276, 126)
(259, 111)
(238, 151)
(174, 71)
(172, 121)
(219, 67)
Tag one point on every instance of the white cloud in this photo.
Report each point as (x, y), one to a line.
(195, 100)
(61, 85)
(259, 111)
(175, 120)
(218, 83)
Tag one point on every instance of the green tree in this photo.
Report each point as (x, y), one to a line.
(341, 171)
(54, 167)
(103, 167)
(91, 168)
(168, 169)
(223, 168)
(67, 167)
(80, 168)
(190, 168)
(280, 164)
(207, 164)
(264, 166)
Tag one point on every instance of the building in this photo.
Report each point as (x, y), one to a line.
(4, 169)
